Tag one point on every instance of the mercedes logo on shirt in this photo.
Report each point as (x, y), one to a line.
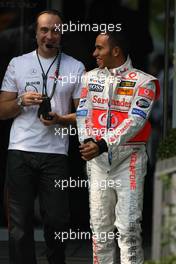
(33, 71)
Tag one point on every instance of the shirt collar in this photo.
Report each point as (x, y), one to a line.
(123, 68)
(119, 70)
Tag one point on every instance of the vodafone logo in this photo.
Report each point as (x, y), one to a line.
(131, 76)
(102, 119)
(146, 92)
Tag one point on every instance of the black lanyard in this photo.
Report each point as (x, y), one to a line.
(44, 75)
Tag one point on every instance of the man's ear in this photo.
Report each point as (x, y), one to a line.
(116, 51)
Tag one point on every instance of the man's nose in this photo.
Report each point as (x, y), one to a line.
(49, 34)
(95, 53)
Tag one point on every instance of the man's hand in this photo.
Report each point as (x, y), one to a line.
(31, 98)
(89, 150)
(57, 119)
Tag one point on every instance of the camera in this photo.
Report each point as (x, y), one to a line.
(45, 108)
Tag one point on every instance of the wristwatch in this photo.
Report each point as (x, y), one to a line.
(20, 102)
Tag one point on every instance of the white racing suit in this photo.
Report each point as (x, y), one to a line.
(127, 98)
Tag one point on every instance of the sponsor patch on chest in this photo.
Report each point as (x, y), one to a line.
(124, 91)
(127, 84)
(95, 87)
(119, 103)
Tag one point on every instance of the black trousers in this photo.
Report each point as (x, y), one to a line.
(29, 174)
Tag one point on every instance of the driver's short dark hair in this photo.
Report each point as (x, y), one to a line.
(120, 39)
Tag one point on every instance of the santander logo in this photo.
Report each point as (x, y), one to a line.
(121, 103)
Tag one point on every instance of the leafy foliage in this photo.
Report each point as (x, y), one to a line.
(165, 260)
(167, 148)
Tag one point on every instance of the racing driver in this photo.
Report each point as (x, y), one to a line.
(113, 129)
